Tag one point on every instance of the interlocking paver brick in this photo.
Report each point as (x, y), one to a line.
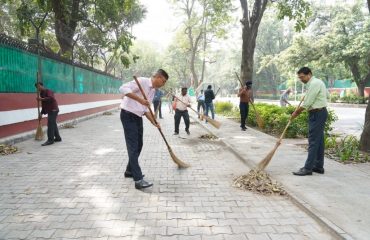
(76, 190)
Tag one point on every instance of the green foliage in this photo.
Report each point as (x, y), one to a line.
(349, 98)
(352, 98)
(221, 107)
(299, 10)
(276, 118)
(334, 97)
(345, 149)
(86, 24)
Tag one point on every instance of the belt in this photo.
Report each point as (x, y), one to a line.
(317, 109)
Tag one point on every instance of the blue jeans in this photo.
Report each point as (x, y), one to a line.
(200, 105)
(133, 130)
(244, 109)
(209, 106)
(316, 125)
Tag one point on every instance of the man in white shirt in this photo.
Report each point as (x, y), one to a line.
(182, 104)
(133, 107)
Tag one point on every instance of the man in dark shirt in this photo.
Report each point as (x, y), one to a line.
(50, 107)
(208, 98)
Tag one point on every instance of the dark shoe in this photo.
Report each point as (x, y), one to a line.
(318, 170)
(244, 128)
(142, 184)
(188, 132)
(57, 139)
(303, 172)
(129, 175)
(176, 133)
(47, 143)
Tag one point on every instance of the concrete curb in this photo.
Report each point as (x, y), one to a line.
(31, 134)
(333, 229)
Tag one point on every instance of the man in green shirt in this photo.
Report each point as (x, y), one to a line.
(315, 103)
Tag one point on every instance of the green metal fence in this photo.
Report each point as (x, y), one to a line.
(18, 74)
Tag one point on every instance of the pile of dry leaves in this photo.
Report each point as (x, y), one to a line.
(208, 137)
(7, 149)
(260, 182)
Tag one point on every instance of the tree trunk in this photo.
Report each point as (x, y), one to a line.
(248, 47)
(365, 136)
(65, 24)
(355, 70)
(368, 5)
(250, 29)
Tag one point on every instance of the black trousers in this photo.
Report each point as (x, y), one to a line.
(178, 115)
(133, 130)
(244, 109)
(53, 132)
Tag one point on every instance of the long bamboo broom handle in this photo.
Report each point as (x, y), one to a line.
(151, 112)
(290, 121)
(217, 91)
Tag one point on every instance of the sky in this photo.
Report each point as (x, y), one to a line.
(159, 24)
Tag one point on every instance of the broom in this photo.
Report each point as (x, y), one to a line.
(259, 120)
(39, 133)
(179, 163)
(263, 164)
(213, 122)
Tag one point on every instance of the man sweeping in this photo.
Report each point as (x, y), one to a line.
(315, 103)
(246, 95)
(182, 104)
(133, 107)
(50, 107)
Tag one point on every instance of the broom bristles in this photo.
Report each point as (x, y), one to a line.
(263, 164)
(39, 133)
(179, 163)
(213, 122)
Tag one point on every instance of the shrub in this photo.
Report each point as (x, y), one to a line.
(345, 149)
(221, 107)
(353, 98)
(334, 97)
(276, 118)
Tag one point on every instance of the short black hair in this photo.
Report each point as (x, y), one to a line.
(305, 71)
(163, 73)
(184, 88)
(248, 83)
(40, 83)
(209, 87)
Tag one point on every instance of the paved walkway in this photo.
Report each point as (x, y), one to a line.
(76, 190)
(340, 197)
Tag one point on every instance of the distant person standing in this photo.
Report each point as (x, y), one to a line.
(201, 104)
(157, 102)
(284, 98)
(50, 107)
(246, 95)
(315, 103)
(182, 104)
(208, 100)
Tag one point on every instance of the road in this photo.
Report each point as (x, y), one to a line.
(350, 119)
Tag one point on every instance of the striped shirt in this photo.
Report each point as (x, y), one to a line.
(132, 105)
